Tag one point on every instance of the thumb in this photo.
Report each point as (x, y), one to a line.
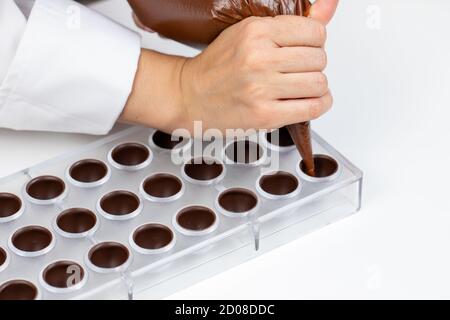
(323, 10)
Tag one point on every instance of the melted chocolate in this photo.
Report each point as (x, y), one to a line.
(18, 290)
(301, 134)
(130, 154)
(203, 170)
(10, 204)
(162, 185)
(166, 141)
(280, 137)
(238, 200)
(45, 187)
(244, 152)
(195, 21)
(153, 236)
(325, 166)
(3, 256)
(63, 274)
(108, 255)
(120, 203)
(76, 220)
(196, 218)
(32, 238)
(279, 183)
(89, 170)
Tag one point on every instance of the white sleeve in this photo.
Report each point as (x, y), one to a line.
(73, 71)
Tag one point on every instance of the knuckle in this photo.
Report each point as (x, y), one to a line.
(316, 108)
(320, 32)
(322, 59)
(255, 27)
(321, 82)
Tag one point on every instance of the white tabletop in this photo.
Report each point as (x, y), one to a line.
(391, 82)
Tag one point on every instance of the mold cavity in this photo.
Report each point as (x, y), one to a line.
(108, 255)
(162, 185)
(196, 218)
(120, 203)
(325, 166)
(88, 171)
(76, 220)
(153, 236)
(3, 256)
(280, 137)
(45, 188)
(18, 290)
(238, 200)
(166, 141)
(63, 274)
(244, 152)
(279, 183)
(203, 169)
(130, 154)
(32, 239)
(10, 204)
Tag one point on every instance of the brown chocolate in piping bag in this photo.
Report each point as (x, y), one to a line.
(201, 21)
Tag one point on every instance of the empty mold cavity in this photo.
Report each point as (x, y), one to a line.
(18, 290)
(88, 172)
(10, 207)
(152, 238)
(108, 257)
(162, 187)
(280, 138)
(32, 241)
(203, 170)
(166, 141)
(76, 222)
(244, 152)
(278, 184)
(326, 168)
(130, 156)
(62, 276)
(237, 202)
(196, 220)
(119, 205)
(45, 189)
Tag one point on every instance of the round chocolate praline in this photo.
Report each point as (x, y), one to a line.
(10, 204)
(45, 188)
(130, 154)
(165, 140)
(108, 255)
(325, 166)
(162, 185)
(120, 203)
(203, 169)
(244, 152)
(63, 274)
(18, 290)
(196, 218)
(283, 135)
(238, 200)
(279, 183)
(32, 238)
(88, 170)
(76, 220)
(153, 236)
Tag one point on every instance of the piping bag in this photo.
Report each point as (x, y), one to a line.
(197, 22)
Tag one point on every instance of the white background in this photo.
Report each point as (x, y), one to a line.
(391, 82)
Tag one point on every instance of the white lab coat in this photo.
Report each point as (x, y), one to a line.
(63, 67)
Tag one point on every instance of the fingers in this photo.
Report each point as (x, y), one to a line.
(323, 10)
(299, 59)
(300, 85)
(286, 112)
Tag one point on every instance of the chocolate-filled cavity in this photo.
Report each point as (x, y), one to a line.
(10, 204)
(130, 154)
(325, 166)
(108, 255)
(166, 141)
(279, 183)
(244, 152)
(280, 137)
(18, 290)
(203, 169)
(301, 134)
(32, 238)
(3, 256)
(45, 188)
(63, 274)
(76, 220)
(162, 185)
(120, 203)
(196, 218)
(238, 200)
(153, 236)
(88, 171)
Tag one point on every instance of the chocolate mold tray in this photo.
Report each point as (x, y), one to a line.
(117, 219)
